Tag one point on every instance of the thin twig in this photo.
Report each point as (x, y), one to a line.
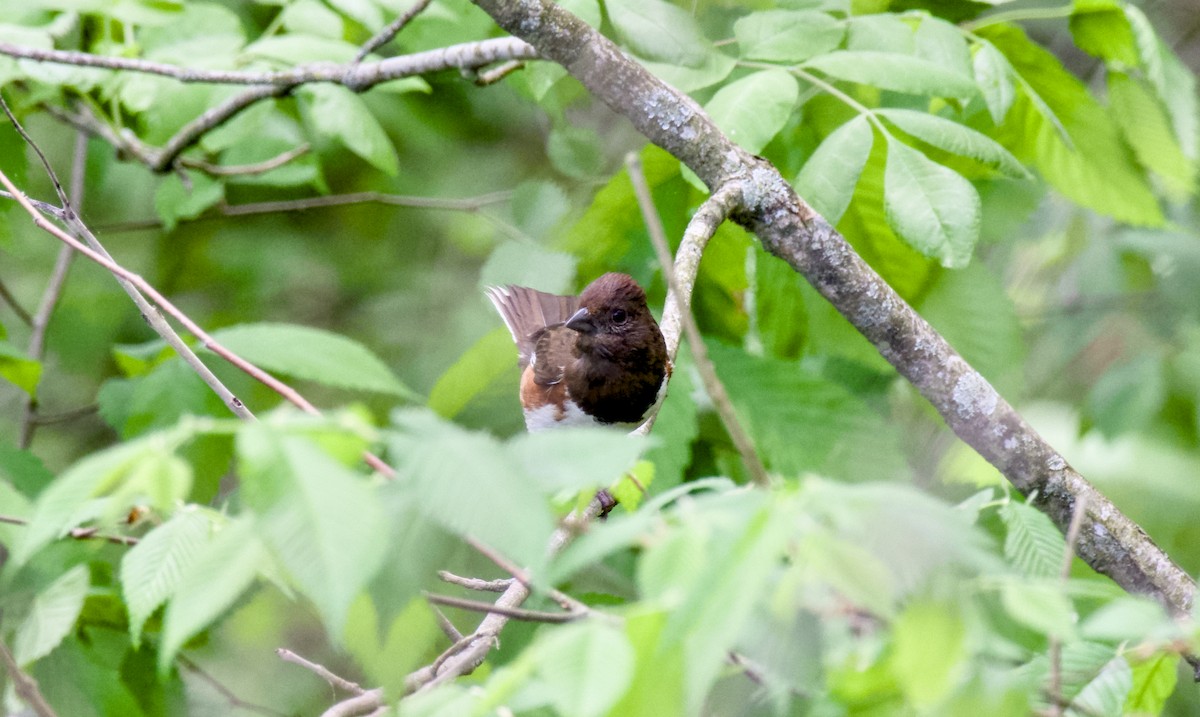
(230, 697)
(704, 365)
(1057, 703)
(356, 76)
(321, 671)
(493, 75)
(565, 601)
(476, 584)
(63, 416)
(135, 286)
(385, 35)
(62, 265)
(13, 304)
(466, 204)
(515, 613)
(448, 628)
(79, 533)
(24, 685)
(243, 170)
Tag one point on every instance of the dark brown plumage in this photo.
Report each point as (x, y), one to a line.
(596, 358)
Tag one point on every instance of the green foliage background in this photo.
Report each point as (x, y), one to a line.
(1038, 209)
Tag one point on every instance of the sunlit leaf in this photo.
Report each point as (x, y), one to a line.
(153, 568)
(336, 112)
(51, 616)
(1032, 543)
(586, 667)
(888, 71)
(787, 35)
(18, 369)
(930, 206)
(314, 355)
(955, 138)
(753, 109)
(210, 584)
(829, 176)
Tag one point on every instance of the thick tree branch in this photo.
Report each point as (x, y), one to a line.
(788, 228)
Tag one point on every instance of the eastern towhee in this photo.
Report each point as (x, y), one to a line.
(594, 359)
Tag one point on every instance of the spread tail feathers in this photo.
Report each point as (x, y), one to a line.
(526, 311)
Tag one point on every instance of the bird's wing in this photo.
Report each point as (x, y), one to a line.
(527, 311)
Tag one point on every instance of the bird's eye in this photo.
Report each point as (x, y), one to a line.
(619, 316)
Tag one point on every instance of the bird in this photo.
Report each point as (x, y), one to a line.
(594, 359)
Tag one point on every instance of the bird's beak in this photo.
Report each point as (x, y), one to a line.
(581, 321)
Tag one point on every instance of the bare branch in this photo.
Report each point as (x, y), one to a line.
(704, 366)
(62, 266)
(499, 72)
(515, 613)
(477, 584)
(385, 35)
(79, 533)
(233, 170)
(700, 229)
(321, 671)
(354, 75)
(24, 685)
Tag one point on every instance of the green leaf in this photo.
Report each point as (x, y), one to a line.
(61, 505)
(888, 71)
(442, 467)
(829, 176)
(18, 369)
(318, 517)
(153, 569)
(51, 616)
(993, 75)
(313, 355)
(296, 49)
(802, 422)
(933, 208)
(336, 112)
(753, 109)
(312, 18)
(490, 358)
(1154, 680)
(365, 12)
(1106, 694)
(1128, 396)
(930, 651)
(1146, 127)
(586, 667)
(714, 67)
(944, 44)
(575, 151)
(658, 30)
(1041, 605)
(1100, 28)
(24, 471)
(1173, 82)
(1130, 619)
(1093, 166)
(573, 459)
(523, 264)
(1032, 544)
(174, 202)
(956, 139)
(212, 582)
(787, 35)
